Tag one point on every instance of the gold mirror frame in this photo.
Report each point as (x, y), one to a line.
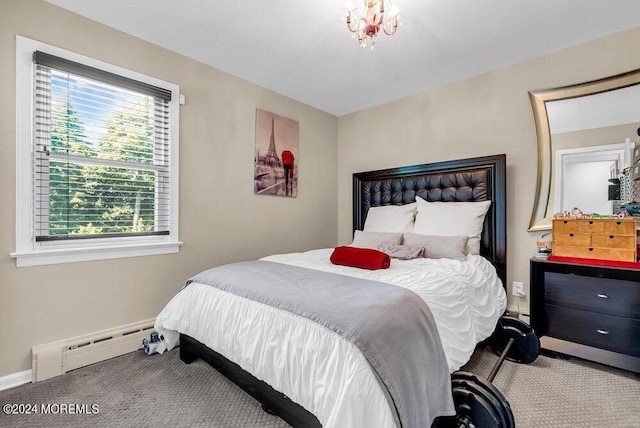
(543, 134)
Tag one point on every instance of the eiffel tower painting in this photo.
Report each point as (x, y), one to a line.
(276, 155)
(272, 154)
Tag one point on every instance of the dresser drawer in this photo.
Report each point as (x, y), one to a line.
(620, 254)
(578, 226)
(613, 241)
(622, 227)
(607, 296)
(571, 240)
(617, 334)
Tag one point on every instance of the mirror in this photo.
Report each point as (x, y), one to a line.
(591, 121)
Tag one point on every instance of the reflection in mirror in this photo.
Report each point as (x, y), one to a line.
(586, 134)
(581, 178)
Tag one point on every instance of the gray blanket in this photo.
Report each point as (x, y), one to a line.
(393, 327)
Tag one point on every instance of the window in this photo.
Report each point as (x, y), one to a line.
(97, 159)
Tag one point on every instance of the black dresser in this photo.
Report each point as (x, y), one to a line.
(591, 312)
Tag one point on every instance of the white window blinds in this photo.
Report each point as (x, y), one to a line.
(101, 153)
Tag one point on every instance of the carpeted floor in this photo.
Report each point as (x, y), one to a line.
(136, 390)
(552, 392)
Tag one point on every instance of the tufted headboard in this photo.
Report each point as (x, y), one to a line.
(464, 180)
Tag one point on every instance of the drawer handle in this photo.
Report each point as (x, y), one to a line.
(603, 296)
(604, 332)
(590, 249)
(610, 236)
(618, 223)
(571, 234)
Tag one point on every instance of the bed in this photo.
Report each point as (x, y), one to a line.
(318, 378)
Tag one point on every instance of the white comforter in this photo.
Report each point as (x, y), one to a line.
(316, 367)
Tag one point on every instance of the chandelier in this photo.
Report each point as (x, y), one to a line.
(366, 23)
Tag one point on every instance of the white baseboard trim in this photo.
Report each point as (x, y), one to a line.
(15, 379)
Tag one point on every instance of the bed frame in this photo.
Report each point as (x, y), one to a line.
(466, 180)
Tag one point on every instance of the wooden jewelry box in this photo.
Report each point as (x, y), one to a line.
(595, 238)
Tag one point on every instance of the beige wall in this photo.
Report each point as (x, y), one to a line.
(485, 115)
(221, 220)
(595, 137)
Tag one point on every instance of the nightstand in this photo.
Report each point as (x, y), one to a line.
(591, 312)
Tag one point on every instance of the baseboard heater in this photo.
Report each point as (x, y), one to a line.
(56, 358)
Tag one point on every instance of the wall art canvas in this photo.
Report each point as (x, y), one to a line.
(276, 156)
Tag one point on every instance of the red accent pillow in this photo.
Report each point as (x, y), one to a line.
(363, 258)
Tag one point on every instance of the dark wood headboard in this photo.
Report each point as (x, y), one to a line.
(464, 180)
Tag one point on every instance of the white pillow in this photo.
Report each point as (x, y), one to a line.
(375, 239)
(390, 218)
(452, 219)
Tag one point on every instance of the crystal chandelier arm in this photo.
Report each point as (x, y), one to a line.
(393, 30)
(393, 21)
(353, 17)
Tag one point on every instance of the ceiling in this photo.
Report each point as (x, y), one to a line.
(302, 49)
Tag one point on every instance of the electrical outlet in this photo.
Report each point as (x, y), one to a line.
(517, 289)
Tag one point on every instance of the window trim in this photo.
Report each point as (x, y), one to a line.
(28, 251)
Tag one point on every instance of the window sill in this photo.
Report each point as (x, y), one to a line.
(84, 254)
